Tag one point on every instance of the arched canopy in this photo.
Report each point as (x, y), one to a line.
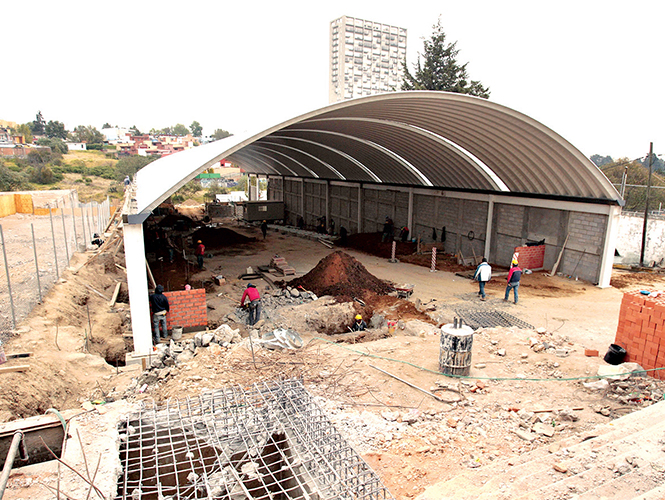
(425, 139)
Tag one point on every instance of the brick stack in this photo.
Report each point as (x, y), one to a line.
(281, 266)
(531, 257)
(641, 331)
(188, 309)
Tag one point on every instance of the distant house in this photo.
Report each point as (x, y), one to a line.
(76, 146)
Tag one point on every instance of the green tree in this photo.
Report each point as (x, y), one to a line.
(25, 131)
(599, 161)
(56, 145)
(132, 164)
(42, 174)
(220, 134)
(106, 125)
(180, 129)
(55, 130)
(196, 129)
(11, 181)
(134, 131)
(656, 163)
(89, 135)
(38, 125)
(636, 176)
(440, 69)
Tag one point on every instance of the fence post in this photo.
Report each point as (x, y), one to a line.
(76, 237)
(34, 247)
(55, 252)
(9, 283)
(64, 232)
(85, 239)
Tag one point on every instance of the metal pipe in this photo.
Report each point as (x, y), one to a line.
(55, 252)
(34, 247)
(646, 209)
(9, 283)
(9, 461)
(76, 237)
(64, 232)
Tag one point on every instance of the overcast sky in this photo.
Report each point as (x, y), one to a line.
(590, 70)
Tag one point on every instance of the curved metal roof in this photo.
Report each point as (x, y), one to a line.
(418, 138)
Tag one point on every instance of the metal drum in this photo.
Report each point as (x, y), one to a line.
(456, 346)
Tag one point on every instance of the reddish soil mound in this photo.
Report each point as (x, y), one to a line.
(219, 237)
(370, 243)
(343, 277)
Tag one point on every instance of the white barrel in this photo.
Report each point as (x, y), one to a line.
(455, 351)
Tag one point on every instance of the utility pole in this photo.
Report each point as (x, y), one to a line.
(646, 208)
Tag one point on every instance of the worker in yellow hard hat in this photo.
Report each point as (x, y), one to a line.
(264, 228)
(359, 325)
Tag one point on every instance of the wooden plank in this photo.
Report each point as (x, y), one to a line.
(153, 284)
(18, 355)
(115, 294)
(556, 264)
(17, 368)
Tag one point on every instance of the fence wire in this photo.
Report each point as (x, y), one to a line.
(37, 249)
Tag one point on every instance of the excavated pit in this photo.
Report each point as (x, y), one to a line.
(268, 442)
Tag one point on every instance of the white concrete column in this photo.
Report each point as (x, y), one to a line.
(137, 283)
(253, 189)
(488, 229)
(607, 256)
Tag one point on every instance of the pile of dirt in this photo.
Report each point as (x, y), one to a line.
(174, 219)
(220, 237)
(191, 203)
(343, 277)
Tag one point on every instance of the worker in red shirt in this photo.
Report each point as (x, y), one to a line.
(199, 252)
(254, 299)
(513, 281)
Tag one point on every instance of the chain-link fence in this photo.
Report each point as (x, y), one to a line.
(36, 250)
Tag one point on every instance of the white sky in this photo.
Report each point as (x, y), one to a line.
(591, 70)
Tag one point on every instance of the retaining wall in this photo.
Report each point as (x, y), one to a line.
(187, 308)
(641, 331)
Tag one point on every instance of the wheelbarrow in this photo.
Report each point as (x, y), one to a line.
(404, 290)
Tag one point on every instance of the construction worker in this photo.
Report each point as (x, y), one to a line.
(513, 280)
(160, 306)
(200, 252)
(359, 325)
(254, 303)
(482, 275)
(264, 229)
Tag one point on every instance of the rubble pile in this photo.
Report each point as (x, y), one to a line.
(343, 277)
(167, 357)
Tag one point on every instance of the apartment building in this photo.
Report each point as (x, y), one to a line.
(366, 58)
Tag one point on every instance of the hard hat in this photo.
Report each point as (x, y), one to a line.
(514, 262)
(199, 241)
(358, 316)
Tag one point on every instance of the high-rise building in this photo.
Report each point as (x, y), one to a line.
(365, 58)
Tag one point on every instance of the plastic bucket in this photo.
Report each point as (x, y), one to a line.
(176, 333)
(615, 355)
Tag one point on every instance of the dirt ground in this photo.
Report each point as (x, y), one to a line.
(410, 438)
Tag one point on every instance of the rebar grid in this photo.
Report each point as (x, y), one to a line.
(490, 319)
(268, 442)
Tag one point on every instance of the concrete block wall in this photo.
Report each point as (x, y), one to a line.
(293, 200)
(315, 201)
(508, 223)
(582, 256)
(187, 309)
(641, 331)
(344, 207)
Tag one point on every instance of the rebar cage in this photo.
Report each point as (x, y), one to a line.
(270, 441)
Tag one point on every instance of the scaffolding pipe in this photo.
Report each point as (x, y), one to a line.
(18, 445)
